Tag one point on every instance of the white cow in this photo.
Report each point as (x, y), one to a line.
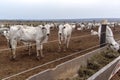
(37, 34)
(82, 26)
(90, 25)
(6, 34)
(2, 26)
(64, 35)
(96, 25)
(110, 38)
(3, 29)
(94, 32)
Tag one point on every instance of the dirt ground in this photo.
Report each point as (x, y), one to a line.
(24, 61)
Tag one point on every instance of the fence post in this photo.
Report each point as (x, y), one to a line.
(103, 33)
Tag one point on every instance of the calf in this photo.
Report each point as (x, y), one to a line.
(64, 35)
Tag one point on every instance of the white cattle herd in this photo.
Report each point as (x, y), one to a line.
(40, 35)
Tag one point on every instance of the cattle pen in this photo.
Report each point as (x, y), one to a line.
(25, 66)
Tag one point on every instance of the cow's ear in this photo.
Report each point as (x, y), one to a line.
(63, 27)
(51, 27)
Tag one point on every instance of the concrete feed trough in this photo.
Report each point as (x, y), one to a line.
(66, 69)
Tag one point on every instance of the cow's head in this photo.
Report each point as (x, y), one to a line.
(115, 47)
(61, 28)
(47, 27)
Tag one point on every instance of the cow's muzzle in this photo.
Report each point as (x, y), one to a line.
(119, 50)
(60, 34)
(48, 34)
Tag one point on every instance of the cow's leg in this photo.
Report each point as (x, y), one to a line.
(8, 41)
(68, 40)
(38, 49)
(41, 50)
(64, 44)
(38, 57)
(29, 48)
(59, 47)
(13, 45)
(14, 55)
(60, 44)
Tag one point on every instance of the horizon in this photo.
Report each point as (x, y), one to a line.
(58, 9)
(60, 19)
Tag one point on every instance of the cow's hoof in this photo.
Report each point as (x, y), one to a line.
(12, 59)
(38, 58)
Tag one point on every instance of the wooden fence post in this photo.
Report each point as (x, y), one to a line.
(103, 33)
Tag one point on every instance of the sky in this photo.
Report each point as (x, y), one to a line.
(59, 9)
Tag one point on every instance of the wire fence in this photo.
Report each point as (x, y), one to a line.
(23, 46)
(18, 47)
(33, 44)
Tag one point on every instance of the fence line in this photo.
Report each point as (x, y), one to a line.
(18, 47)
(47, 42)
(75, 53)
